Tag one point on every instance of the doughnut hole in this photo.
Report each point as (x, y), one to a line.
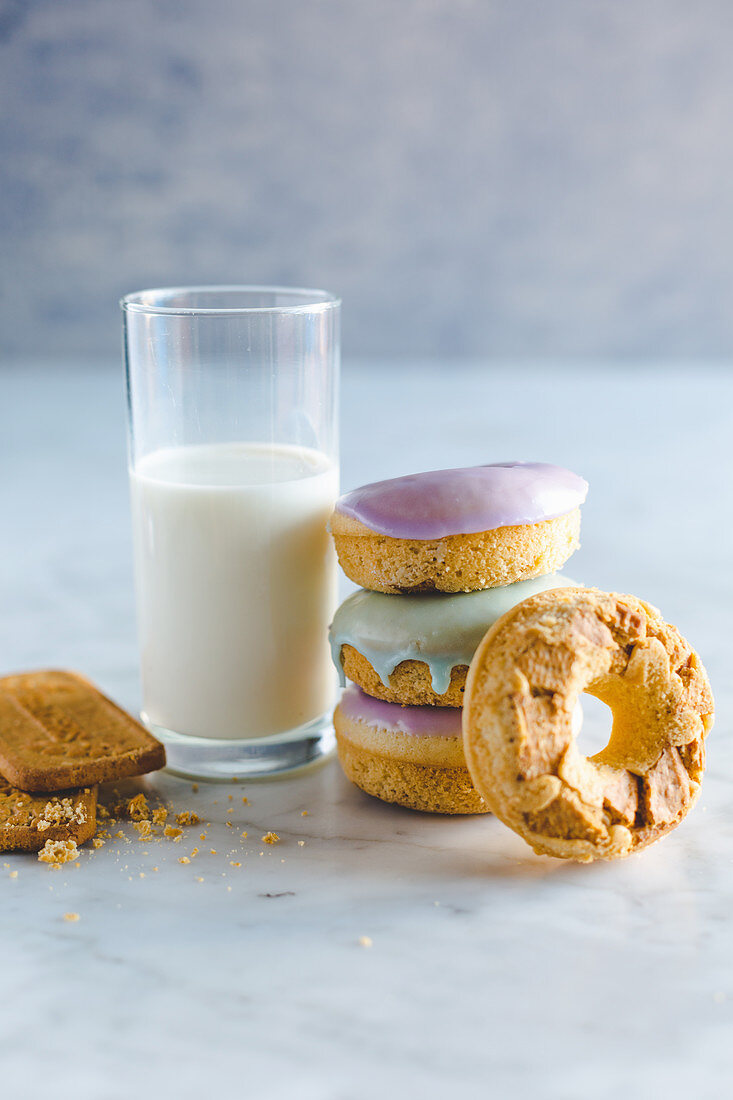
(592, 724)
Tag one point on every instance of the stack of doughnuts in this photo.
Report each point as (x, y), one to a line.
(441, 556)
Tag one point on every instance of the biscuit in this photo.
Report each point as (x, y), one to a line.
(27, 821)
(522, 686)
(411, 756)
(58, 731)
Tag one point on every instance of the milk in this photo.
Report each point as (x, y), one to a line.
(236, 586)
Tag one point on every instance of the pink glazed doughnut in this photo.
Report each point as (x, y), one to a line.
(412, 756)
(459, 530)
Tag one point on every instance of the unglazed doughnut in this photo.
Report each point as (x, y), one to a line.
(459, 530)
(416, 650)
(521, 689)
(412, 756)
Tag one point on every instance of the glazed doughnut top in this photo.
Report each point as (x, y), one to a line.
(439, 503)
(441, 629)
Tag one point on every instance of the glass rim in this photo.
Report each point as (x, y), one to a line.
(313, 300)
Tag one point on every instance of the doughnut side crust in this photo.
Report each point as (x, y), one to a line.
(520, 749)
(409, 684)
(425, 785)
(457, 563)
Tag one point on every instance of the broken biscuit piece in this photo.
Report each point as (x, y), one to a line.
(29, 821)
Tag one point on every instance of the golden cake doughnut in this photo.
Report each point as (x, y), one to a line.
(457, 563)
(522, 686)
(416, 649)
(459, 530)
(412, 756)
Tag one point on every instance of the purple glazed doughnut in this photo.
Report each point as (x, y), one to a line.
(411, 756)
(459, 530)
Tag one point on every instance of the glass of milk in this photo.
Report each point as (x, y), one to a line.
(233, 451)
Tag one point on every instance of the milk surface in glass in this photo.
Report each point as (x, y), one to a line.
(236, 586)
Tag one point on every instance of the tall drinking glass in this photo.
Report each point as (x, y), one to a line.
(233, 451)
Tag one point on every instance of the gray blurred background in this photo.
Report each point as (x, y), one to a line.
(508, 178)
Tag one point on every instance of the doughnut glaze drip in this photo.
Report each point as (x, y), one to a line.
(439, 503)
(440, 629)
(415, 721)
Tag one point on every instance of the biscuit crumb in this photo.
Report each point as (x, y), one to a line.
(71, 917)
(233, 864)
(187, 817)
(61, 811)
(271, 838)
(13, 874)
(301, 844)
(172, 833)
(194, 852)
(365, 941)
(202, 836)
(244, 835)
(137, 808)
(183, 859)
(199, 879)
(194, 788)
(144, 828)
(245, 800)
(97, 842)
(160, 815)
(213, 851)
(303, 813)
(57, 852)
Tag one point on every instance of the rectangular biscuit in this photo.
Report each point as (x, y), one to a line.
(27, 821)
(58, 731)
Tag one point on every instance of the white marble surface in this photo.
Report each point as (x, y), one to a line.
(492, 971)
